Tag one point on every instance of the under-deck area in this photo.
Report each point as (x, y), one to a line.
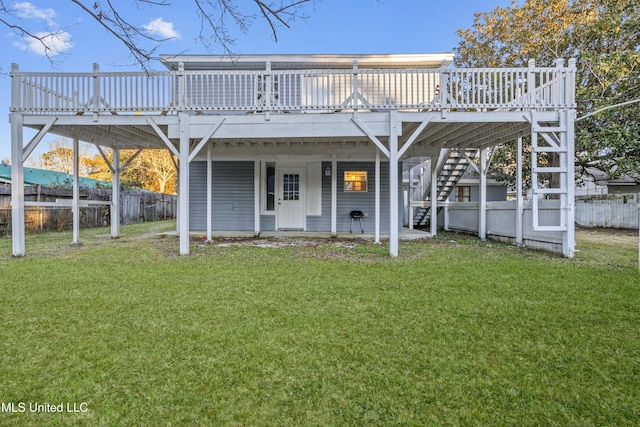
(405, 111)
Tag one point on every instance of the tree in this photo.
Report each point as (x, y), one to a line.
(605, 37)
(141, 41)
(153, 170)
(159, 167)
(60, 158)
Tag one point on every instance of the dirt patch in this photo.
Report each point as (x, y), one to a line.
(287, 242)
(611, 236)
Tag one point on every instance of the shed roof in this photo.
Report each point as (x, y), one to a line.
(33, 176)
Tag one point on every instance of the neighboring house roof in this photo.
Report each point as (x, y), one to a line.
(34, 176)
(306, 62)
(601, 178)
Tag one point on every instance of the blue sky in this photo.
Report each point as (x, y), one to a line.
(333, 26)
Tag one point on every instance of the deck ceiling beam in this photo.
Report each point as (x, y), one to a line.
(371, 136)
(163, 137)
(28, 149)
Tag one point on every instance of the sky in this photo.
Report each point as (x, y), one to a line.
(332, 26)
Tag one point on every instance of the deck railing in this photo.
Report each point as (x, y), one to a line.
(468, 89)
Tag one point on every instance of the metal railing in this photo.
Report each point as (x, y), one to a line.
(468, 89)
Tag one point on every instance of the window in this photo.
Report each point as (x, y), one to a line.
(291, 186)
(463, 194)
(271, 186)
(355, 181)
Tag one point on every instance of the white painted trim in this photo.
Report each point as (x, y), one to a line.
(334, 196)
(115, 194)
(256, 197)
(369, 133)
(434, 196)
(164, 137)
(209, 192)
(28, 149)
(75, 205)
(183, 184)
(205, 139)
(377, 199)
(393, 184)
(519, 195)
(482, 230)
(17, 186)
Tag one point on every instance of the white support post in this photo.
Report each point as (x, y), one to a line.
(408, 203)
(434, 196)
(568, 239)
(519, 197)
(334, 196)
(376, 239)
(209, 193)
(183, 208)
(75, 203)
(115, 195)
(446, 216)
(256, 197)
(17, 185)
(393, 183)
(482, 226)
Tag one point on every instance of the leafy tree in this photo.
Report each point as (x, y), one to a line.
(605, 37)
(60, 158)
(215, 17)
(152, 170)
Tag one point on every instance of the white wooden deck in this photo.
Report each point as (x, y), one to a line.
(402, 114)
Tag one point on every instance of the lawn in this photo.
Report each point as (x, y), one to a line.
(454, 331)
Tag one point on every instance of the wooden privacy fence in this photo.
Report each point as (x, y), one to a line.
(55, 212)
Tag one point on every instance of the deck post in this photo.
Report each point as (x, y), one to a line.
(183, 208)
(75, 203)
(115, 195)
(519, 198)
(376, 239)
(334, 196)
(434, 196)
(209, 193)
(568, 237)
(17, 185)
(256, 197)
(482, 226)
(393, 183)
(408, 215)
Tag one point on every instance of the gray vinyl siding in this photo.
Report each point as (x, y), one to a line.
(348, 201)
(233, 198)
(232, 192)
(239, 90)
(267, 222)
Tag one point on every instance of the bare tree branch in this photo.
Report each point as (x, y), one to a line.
(217, 18)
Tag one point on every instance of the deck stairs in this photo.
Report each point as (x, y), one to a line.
(451, 166)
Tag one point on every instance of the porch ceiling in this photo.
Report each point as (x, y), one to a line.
(436, 134)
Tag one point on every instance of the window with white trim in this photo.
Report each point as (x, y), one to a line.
(355, 181)
(463, 194)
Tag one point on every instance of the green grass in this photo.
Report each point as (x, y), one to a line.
(454, 331)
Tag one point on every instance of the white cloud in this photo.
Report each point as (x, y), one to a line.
(26, 10)
(162, 28)
(47, 44)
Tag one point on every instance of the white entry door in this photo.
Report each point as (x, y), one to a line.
(291, 199)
